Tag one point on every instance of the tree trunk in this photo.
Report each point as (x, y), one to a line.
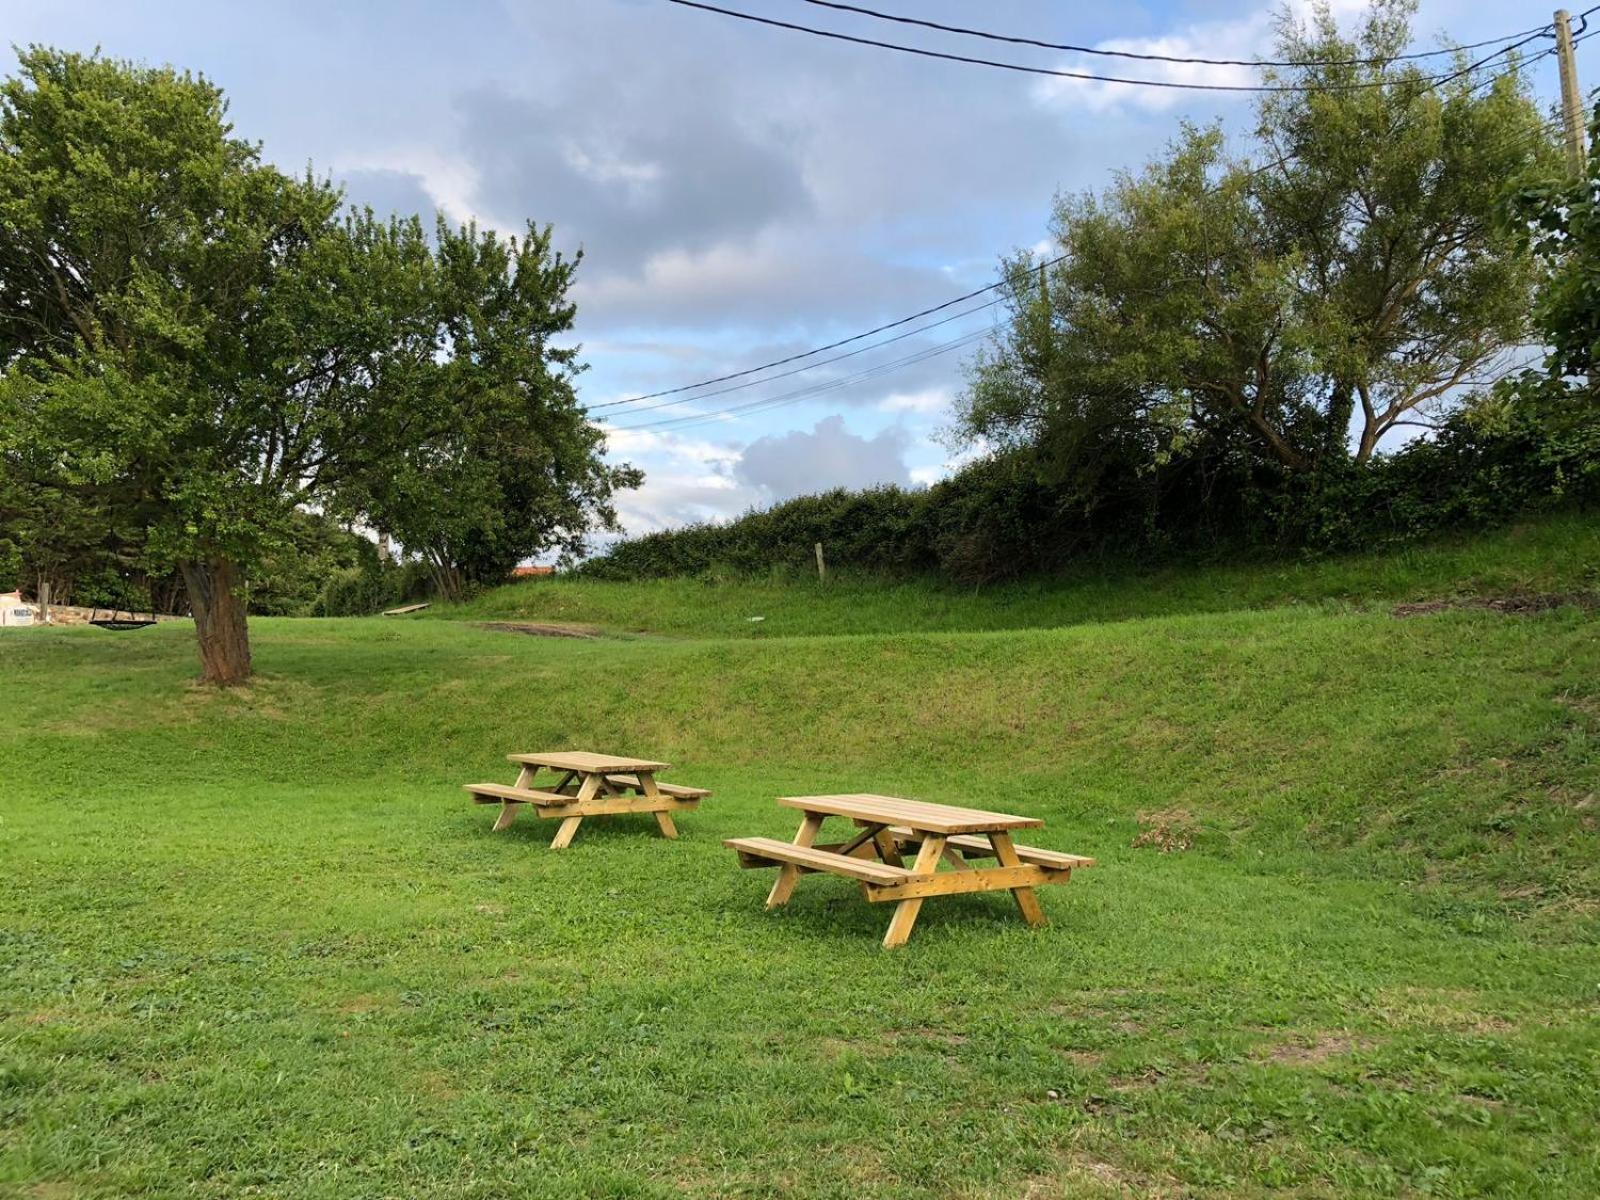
(219, 621)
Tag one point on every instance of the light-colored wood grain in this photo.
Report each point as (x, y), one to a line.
(905, 913)
(666, 789)
(915, 814)
(492, 793)
(969, 879)
(788, 873)
(664, 823)
(772, 852)
(585, 762)
(611, 806)
(1027, 902)
(566, 833)
(981, 847)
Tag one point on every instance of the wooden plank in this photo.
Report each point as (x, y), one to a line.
(610, 806)
(587, 763)
(496, 793)
(1027, 902)
(885, 846)
(905, 913)
(980, 847)
(788, 875)
(916, 814)
(664, 822)
(670, 789)
(403, 610)
(969, 879)
(780, 853)
(566, 833)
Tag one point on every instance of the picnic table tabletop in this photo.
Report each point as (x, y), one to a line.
(583, 762)
(914, 814)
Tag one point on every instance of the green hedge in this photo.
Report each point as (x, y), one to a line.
(998, 518)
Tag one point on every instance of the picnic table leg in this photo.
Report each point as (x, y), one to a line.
(905, 913)
(565, 834)
(569, 825)
(788, 873)
(887, 850)
(1027, 902)
(649, 790)
(508, 808)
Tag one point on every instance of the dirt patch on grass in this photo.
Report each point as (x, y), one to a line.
(361, 1005)
(1518, 604)
(1166, 830)
(940, 1037)
(1454, 1009)
(542, 629)
(1106, 1178)
(1319, 1048)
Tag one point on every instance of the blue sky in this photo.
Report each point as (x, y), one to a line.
(740, 193)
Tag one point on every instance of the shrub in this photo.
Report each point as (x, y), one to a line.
(999, 518)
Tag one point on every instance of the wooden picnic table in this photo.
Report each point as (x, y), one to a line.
(889, 828)
(587, 785)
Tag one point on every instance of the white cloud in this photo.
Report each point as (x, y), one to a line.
(928, 400)
(828, 456)
(687, 479)
(1248, 37)
(451, 182)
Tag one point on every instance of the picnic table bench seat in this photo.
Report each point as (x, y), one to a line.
(979, 847)
(772, 852)
(491, 793)
(676, 790)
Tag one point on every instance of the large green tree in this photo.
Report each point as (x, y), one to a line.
(199, 338)
(1344, 275)
(505, 467)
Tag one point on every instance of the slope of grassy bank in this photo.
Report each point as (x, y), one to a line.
(1559, 554)
(259, 943)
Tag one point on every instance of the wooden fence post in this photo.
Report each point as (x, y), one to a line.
(822, 566)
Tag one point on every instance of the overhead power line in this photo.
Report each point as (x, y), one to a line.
(922, 52)
(1012, 281)
(812, 366)
(779, 362)
(987, 35)
(816, 389)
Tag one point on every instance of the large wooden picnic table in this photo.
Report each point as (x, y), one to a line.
(888, 829)
(587, 785)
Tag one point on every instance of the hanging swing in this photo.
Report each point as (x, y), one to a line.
(114, 620)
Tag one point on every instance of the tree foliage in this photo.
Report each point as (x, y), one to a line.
(1352, 266)
(208, 346)
(505, 466)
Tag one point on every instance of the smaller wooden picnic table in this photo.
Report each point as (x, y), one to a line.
(588, 785)
(887, 826)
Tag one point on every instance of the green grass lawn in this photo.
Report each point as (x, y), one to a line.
(260, 943)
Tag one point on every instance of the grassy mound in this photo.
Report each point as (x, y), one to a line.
(1550, 557)
(1342, 940)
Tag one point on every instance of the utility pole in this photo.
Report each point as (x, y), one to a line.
(1571, 98)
